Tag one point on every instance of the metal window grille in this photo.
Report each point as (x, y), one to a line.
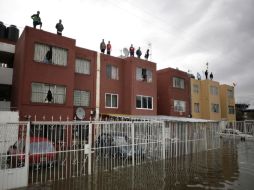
(81, 98)
(82, 66)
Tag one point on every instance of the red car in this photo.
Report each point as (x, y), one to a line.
(42, 152)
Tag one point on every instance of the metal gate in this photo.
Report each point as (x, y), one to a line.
(14, 155)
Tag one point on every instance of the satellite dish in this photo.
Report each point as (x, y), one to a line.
(80, 113)
(125, 52)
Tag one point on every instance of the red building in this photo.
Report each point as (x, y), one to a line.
(52, 78)
(173, 92)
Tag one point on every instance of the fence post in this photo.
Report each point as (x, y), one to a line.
(244, 125)
(132, 143)
(163, 141)
(186, 139)
(89, 149)
(27, 149)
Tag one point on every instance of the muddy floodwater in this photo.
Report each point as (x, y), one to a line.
(230, 167)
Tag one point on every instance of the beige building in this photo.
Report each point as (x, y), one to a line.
(205, 99)
(227, 100)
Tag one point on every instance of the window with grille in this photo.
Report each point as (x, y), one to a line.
(48, 93)
(196, 88)
(111, 100)
(82, 66)
(50, 54)
(196, 108)
(143, 74)
(214, 90)
(178, 82)
(144, 102)
(81, 98)
(112, 72)
(231, 109)
(179, 106)
(215, 108)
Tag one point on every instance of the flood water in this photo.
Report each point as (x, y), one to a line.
(230, 167)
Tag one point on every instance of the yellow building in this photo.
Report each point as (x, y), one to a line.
(205, 99)
(227, 102)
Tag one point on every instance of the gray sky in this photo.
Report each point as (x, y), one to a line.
(183, 33)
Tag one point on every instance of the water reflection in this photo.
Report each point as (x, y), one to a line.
(230, 167)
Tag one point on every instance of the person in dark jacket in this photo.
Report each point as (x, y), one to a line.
(132, 50)
(211, 76)
(59, 27)
(102, 46)
(138, 52)
(206, 74)
(36, 19)
(147, 54)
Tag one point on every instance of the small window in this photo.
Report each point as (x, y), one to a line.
(196, 108)
(50, 55)
(81, 98)
(179, 106)
(143, 74)
(214, 90)
(196, 88)
(215, 108)
(178, 82)
(82, 66)
(111, 100)
(230, 93)
(231, 109)
(48, 93)
(144, 102)
(112, 72)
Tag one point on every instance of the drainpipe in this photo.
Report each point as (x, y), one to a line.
(97, 92)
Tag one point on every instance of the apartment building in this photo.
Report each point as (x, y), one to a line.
(227, 102)
(54, 78)
(205, 99)
(8, 37)
(173, 92)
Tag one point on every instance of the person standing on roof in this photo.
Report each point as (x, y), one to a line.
(139, 52)
(36, 19)
(102, 46)
(108, 48)
(147, 54)
(132, 50)
(59, 27)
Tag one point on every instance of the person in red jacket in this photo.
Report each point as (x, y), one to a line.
(108, 48)
(132, 50)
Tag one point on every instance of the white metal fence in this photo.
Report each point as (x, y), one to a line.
(246, 127)
(62, 150)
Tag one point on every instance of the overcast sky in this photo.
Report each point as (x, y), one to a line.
(183, 34)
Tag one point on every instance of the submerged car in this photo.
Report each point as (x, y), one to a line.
(235, 133)
(117, 145)
(41, 152)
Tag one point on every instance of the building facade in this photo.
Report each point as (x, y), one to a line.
(173, 92)
(54, 79)
(227, 99)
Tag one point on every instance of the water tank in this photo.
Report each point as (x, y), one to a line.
(2, 30)
(12, 33)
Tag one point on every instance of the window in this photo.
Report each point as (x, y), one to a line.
(144, 102)
(82, 66)
(196, 108)
(81, 98)
(48, 93)
(215, 108)
(231, 109)
(178, 82)
(111, 100)
(179, 106)
(195, 88)
(48, 54)
(214, 90)
(144, 74)
(112, 72)
(230, 93)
